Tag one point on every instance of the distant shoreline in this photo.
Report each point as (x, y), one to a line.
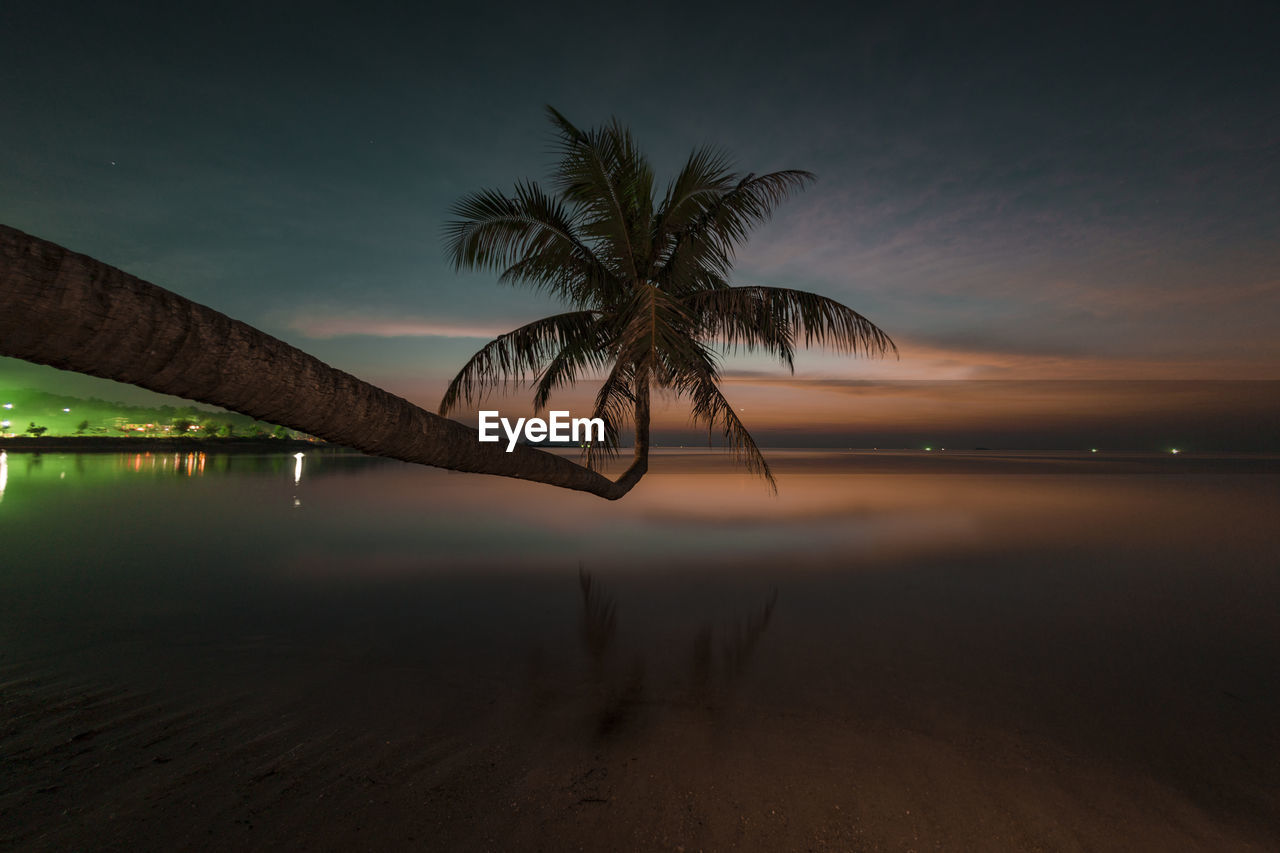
(125, 444)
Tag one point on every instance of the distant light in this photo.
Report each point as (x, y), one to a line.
(8, 405)
(1094, 450)
(66, 410)
(1175, 451)
(928, 448)
(4, 424)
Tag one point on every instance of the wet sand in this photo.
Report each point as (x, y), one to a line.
(126, 771)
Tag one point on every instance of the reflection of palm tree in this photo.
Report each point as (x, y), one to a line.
(619, 692)
(617, 697)
(741, 645)
(737, 650)
(599, 617)
(647, 283)
(70, 311)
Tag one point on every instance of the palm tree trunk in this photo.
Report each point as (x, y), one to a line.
(640, 463)
(70, 311)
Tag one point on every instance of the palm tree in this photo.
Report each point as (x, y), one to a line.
(647, 284)
(64, 309)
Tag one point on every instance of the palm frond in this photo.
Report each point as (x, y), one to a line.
(709, 407)
(703, 179)
(614, 404)
(593, 351)
(609, 184)
(774, 319)
(696, 375)
(517, 353)
(529, 237)
(713, 236)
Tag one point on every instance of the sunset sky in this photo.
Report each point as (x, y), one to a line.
(1011, 193)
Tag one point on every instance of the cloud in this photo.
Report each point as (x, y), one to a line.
(320, 326)
(970, 357)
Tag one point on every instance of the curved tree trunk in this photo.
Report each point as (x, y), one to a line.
(640, 462)
(67, 310)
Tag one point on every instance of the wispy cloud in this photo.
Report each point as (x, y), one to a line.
(955, 358)
(322, 326)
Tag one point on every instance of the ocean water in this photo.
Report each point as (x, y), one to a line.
(1104, 616)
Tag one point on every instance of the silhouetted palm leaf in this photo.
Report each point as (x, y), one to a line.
(518, 352)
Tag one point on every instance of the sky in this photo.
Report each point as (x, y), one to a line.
(1015, 194)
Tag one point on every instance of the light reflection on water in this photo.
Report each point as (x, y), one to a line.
(367, 515)
(1121, 609)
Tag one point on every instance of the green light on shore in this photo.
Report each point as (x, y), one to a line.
(928, 448)
(1175, 451)
(1093, 450)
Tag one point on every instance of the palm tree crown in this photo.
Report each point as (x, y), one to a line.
(647, 282)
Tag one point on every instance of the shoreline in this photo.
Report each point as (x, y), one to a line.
(126, 444)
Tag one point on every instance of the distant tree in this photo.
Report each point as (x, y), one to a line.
(84, 425)
(280, 432)
(37, 431)
(181, 426)
(228, 430)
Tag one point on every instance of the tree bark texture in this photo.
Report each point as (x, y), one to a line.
(67, 310)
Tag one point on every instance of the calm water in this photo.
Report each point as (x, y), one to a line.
(1058, 612)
